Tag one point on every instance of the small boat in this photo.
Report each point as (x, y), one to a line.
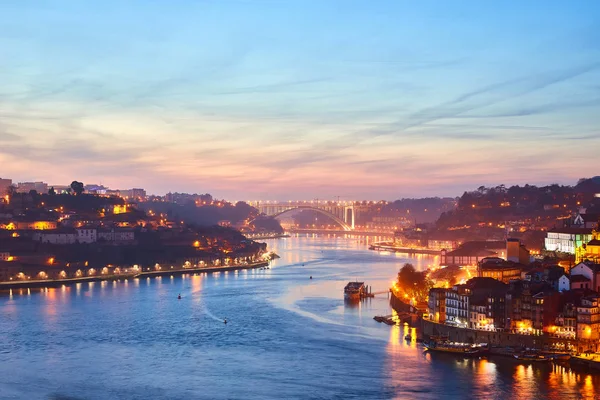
(465, 349)
(531, 357)
(354, 290)
(557, 357)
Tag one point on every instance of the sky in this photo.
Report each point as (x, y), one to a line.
(278, 100)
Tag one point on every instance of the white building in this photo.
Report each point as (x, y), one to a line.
(566, 240)
(86, 235)
(564, 283)
(56, 236)
(457, 305)
(117, 235)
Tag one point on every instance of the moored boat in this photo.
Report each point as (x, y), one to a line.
(465, 349)
(354, 290)
(532, 357)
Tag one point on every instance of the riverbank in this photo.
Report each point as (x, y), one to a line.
(428, 328)
(180, 271)
(407, 250)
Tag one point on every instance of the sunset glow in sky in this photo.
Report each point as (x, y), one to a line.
(265, 99)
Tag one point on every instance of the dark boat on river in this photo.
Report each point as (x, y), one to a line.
(446, 346)
(532, 357)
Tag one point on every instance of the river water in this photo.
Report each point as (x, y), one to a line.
(287, 337)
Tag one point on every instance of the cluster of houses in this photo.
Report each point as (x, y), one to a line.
(69, 231)
(511, 295)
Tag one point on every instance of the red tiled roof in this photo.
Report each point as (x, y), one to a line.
(579, 278)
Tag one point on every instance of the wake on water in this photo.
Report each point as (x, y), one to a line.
(206, 310)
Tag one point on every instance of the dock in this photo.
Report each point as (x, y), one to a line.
(358, 290)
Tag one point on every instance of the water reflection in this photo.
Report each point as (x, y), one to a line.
(288, 337)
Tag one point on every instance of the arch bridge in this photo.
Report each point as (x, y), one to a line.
(342, 213)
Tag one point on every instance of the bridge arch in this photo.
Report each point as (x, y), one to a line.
(337, 220)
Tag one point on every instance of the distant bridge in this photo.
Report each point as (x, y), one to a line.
(341, 212)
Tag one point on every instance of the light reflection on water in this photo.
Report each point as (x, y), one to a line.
(287, 337)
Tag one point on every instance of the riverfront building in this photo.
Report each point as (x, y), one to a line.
(437, 304)
(457, 305)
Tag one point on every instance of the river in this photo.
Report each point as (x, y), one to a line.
(287, 336)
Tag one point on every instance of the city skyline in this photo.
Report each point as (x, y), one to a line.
(266, 100)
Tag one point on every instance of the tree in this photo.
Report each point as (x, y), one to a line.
(77, 187)
(51, 191)
(413, 283)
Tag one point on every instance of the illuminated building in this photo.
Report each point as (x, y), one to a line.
(590, 250)
(566, 322)
(437, 243)
(34, 225)
(457, 305)
(437, 304)
(61, 189)
(566, 240)
(478, 314)
(588, 319)
(95, 189)
(120, 209)
(499, 269)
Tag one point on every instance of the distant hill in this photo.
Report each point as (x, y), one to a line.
(500, 203)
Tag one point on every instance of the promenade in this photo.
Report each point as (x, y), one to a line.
(36, 283)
